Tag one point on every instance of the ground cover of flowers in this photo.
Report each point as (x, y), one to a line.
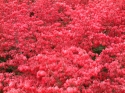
(62, 46)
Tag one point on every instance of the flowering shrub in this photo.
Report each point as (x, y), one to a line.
(62, 46)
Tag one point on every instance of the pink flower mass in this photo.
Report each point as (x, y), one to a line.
(62, 46)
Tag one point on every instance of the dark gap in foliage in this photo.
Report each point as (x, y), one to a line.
(93, 58)
(60, 20)
(11, 69)
(61, 9)
(104, 69)
(59, 83)
(106, 32)
(32, 1)
(98, 49)
(1, 69)
(1, 91)
(31, 14)
(4, 59)
(113, 91)
(53, 47)
(122, 66)
(13, 48)
(113, 56)
(93, 77)
(63, 22)
(27, 56)
(103, 74)
(80, 89)
(17, 72)
(80, 42)
(31, 50)
(86, 86)
(79, 66)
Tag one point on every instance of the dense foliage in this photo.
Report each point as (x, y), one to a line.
(62, 46)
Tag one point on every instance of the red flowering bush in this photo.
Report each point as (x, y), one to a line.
(62, 46)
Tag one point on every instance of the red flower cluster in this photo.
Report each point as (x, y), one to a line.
(62, 46)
